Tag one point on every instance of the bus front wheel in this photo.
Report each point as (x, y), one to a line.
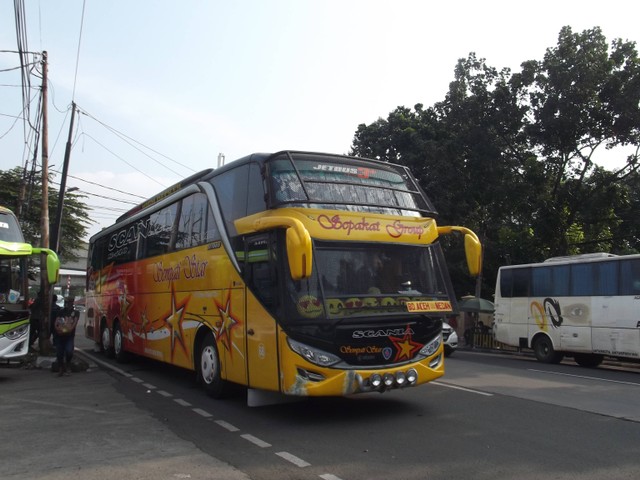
(544, 352)
(209, 368)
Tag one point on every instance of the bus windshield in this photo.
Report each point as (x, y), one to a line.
(9, 228)
(317, 182)
(367, 280)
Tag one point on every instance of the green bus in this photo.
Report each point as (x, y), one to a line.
(14, 308)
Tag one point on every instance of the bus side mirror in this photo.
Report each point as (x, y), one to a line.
(473, 252)
(299, 252)
(472, 247)
(53, 267)
(53, 264)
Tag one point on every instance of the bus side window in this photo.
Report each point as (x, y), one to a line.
(260, 269)
(521, 282)
(630, 277)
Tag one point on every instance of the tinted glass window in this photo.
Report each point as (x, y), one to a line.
(606, 278)
(162, 231)
(231, 189)
(582, 283)
(541, 282)
(256, 195)
(630, 277)
(192, 224)
(521, 280)
(506, 282)
(9, 228)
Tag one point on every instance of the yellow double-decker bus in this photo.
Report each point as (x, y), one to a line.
(294, 272)
(14, 286)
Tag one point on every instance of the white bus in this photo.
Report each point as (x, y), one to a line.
(585, 306)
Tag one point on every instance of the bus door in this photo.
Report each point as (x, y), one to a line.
(261, 278)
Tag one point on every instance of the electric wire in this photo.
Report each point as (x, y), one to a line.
(128, 138)
(75, 77)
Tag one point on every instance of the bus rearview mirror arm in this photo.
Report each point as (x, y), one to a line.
(472, 247)
(25, 249)
(299, 252)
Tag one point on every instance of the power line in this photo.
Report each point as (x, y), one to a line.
(129, 140)
(123, 160)
(75, 77)
(108, 188)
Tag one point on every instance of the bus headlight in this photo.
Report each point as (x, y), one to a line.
(17, 332)
(431, 347)
(312, 354)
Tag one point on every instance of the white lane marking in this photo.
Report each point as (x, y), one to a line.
(585, 377)
(165, 394)
(202, 412)
(227, 426)
(137, 380)
(255, 440)
(293, 459)
(149, 386)
(455, 387)
(182, 402)
(328, 476)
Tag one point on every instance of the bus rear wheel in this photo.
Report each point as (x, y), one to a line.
(589, 360)
(544, 352)
(209, 368)
(105, 341)
(118, 346)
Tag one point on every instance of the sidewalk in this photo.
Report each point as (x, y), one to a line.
(59, 428)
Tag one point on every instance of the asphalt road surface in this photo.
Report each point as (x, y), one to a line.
(492, 416)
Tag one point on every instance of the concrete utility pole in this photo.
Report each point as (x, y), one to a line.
(43, 341)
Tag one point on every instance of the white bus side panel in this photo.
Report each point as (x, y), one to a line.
(616, 326)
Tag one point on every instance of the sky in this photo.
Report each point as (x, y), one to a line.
(164, 87)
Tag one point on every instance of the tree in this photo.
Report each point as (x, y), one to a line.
(75, 218)
(512, 155)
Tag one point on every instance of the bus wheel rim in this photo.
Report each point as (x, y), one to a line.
(105, 338)
(208, 364)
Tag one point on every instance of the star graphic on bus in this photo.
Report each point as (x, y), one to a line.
(173, 321)
(406, 347)
(229, 322)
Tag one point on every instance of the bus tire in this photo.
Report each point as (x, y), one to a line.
(588, 360)
(118, 344)
(208, 367)
(106, 345)
(544, 352)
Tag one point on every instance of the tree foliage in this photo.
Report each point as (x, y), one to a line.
(75, 216)
(512, 155)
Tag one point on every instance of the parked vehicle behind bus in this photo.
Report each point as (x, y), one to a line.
(14, 310)
(585, 306)
(295, 272)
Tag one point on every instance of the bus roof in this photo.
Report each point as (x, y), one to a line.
(259, 158)
(572, 259)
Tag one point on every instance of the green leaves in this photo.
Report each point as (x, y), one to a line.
(513, 155)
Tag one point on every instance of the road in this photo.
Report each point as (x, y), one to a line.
(492, 416)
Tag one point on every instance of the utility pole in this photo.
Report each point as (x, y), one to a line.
(43, 341)
(57, 226)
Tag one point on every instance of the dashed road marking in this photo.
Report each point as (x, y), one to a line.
(227, 426)
(202, 412)
(255, 440)
(293, 459)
